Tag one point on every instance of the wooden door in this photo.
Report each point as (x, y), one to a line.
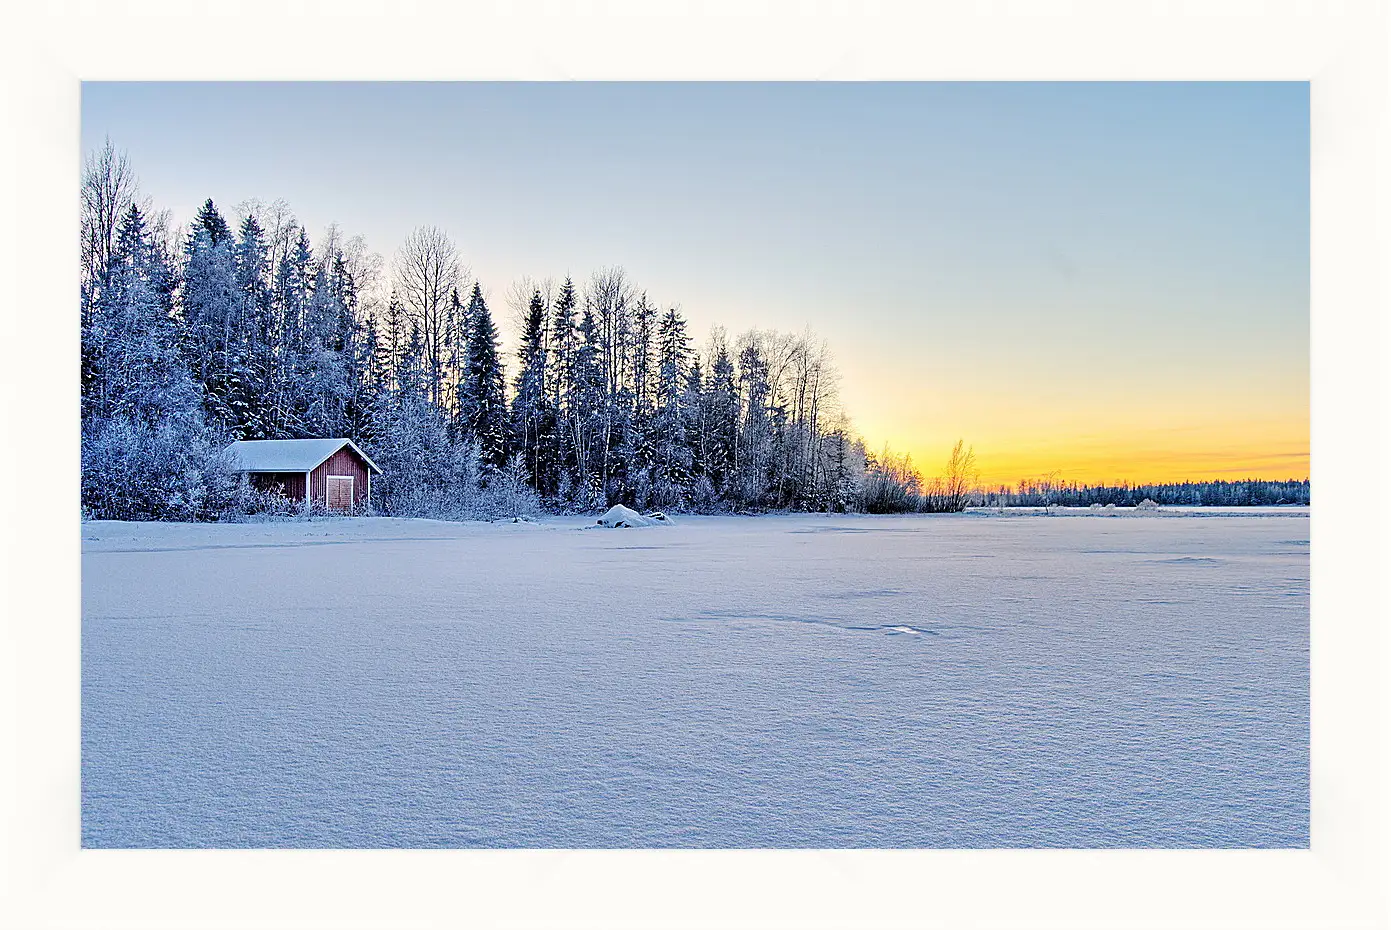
(340, 493)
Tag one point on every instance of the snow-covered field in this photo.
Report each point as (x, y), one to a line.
(825, 681)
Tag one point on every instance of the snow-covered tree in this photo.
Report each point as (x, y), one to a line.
(672, 453)
(533, 418)
(722, 416)
(428, 271)
(482, 404)
(146, 451)
(211, 306)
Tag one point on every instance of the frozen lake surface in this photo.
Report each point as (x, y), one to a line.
(1076, 680)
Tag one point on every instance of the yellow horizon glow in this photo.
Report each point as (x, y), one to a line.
(1094, 424)
(1274, 451)
(1111, 467)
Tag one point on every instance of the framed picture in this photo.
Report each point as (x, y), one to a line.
(817, 501)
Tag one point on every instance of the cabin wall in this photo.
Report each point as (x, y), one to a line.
(342, 462)
(290, 483)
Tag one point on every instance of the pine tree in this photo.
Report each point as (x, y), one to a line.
(584, 414)
(293, 291)
(532, 415)
(722, 404)
(371, 383)
(696, 418)
(211, 305)
(482, 413)
(644, 394)
(672, 469)
(456, 325)
(393, 343)
(563, 341)
(324, 383)
(212, 222)
(754, 447)
(255, 352)
(144, 376)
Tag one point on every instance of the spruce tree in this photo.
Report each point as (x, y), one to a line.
(212, 221)
(533, 418)
(722, 403)
(481, 390)
(584, 414)
(211, 311)
(394, 339)
(293, 291)
(672, 468)
(696, 417)
(562, 344)
(255, 353)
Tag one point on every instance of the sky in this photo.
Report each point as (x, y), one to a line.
(1090, 281)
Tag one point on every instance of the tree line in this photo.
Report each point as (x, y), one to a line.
(1248, 492)
(247, 329)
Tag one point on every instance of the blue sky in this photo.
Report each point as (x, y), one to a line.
(1105, 280)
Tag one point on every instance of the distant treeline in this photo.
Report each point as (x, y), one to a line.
(1244, 493)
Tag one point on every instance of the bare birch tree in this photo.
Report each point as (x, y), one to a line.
(109, 188)
(427, 272)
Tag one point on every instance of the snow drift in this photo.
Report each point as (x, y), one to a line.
(620, 516)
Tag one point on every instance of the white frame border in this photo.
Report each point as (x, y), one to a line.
(49, 882)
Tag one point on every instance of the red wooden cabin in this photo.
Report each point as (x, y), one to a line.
(337, 474)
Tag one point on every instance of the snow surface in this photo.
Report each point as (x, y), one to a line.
(779, 681)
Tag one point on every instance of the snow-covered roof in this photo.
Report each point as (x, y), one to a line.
(289, 454)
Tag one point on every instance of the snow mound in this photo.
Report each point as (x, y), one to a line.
(618, 515)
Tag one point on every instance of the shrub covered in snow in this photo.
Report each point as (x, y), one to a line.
(703, 498)
(507, 493)
(171, 470)
(1147, 504)
(250, 501)
(424, 475)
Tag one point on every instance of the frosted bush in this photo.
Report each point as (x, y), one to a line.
(507, 494)
(250, 501)
(171, 470)
(702, 497)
